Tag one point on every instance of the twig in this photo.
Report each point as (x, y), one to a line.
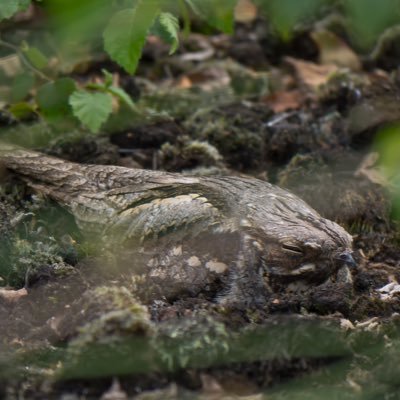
(24, 60)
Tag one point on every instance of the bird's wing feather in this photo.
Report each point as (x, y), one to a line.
(141, 204)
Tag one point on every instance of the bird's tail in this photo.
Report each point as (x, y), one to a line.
(44, 173)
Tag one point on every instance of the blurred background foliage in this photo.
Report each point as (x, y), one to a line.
(387, 145)
(67, 34)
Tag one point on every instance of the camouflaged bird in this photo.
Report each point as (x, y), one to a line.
(227, 238)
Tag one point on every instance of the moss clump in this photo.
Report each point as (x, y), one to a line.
(191, 341)
(33, 261)
(301, 168)
(234, 130)
(106, 315)
(111, 332)
(190, 155)
(34, 243)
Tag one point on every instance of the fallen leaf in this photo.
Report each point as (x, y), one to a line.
(245, 11)
(369, 169)
(310, 74)
(11, 65)
(333, 50)
(284, 101)
(12, 295)
(184, 82)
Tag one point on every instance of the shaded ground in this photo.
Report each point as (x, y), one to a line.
(73, 327)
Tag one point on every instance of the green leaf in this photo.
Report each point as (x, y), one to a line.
(10, 7)
(366, 21)
(122, 95)
(220, 16)
(286, 14)
(185, 15)
(53, 98)
(92, 109)
(76, 24)
(108, 78)
(126, 33)
(167, 27)
(36, 57)
(21, 86)
(21, 110)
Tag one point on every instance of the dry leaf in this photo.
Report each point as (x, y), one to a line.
(245, 11)
(370, 170)
(12, 295)
(184, 82)
(284, 101)
(11, 65)
(333, 50)
(310, 74)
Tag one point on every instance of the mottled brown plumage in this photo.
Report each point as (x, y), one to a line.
(231, 238)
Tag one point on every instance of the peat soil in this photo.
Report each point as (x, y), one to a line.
(247, 105)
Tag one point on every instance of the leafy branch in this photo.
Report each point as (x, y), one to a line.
(124, 36)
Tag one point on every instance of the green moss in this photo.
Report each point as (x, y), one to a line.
(110, 314)
(301, 169)
(190, 155)
(34, 243)
(191, 341)
(32, 261)
(236, 130)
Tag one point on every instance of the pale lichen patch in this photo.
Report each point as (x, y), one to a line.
(194, 261)
(216, 266)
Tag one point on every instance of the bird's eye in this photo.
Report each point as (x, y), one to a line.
(290, 248)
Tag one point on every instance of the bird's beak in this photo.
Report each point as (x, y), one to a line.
(347, 258)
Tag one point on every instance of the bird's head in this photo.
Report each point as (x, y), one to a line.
(294, 242)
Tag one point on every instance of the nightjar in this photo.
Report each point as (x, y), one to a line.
(230, 239)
